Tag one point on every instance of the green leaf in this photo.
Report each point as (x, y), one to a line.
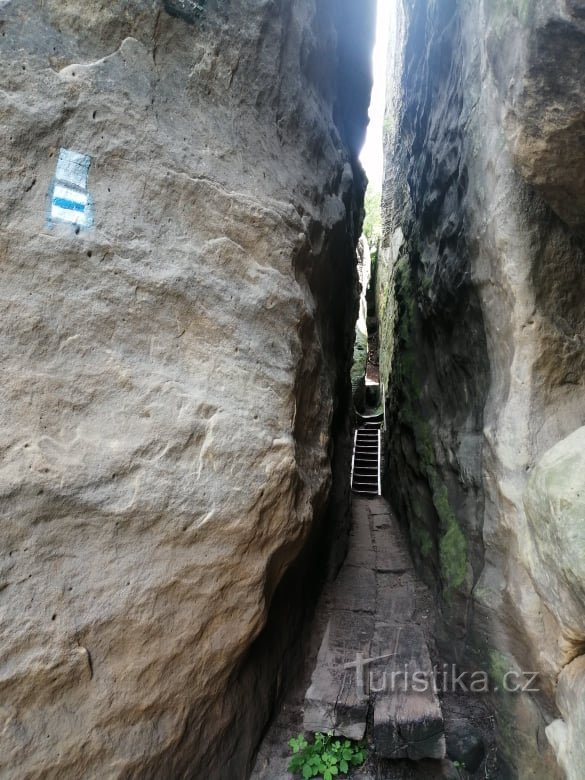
(295, 764)
(324, 756)
(358, 757)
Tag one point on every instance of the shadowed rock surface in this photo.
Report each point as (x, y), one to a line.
(480, 288)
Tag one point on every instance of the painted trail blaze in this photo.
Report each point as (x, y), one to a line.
(70, 202)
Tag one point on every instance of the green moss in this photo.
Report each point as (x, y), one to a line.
(453, 552)
(453, 556)
(453, 544)
(441, 502)
(499, 665)
(424, 443)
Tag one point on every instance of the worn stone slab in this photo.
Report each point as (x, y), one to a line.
(378, 506)
(355, 589)
(336, 699)
(360, 555)
(361, 549)
(391, 551)
(394, 603)
(391, 556)
(371, 651)
(408, 721)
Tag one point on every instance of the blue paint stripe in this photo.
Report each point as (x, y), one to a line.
(68, 204)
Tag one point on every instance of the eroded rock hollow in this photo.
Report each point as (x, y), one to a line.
(180, 208)
(481, 285)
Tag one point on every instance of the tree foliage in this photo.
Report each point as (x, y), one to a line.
(373, 219)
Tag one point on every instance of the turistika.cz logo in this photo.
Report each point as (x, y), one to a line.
(372, 677)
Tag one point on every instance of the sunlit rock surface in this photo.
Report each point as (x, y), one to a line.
(168, 415)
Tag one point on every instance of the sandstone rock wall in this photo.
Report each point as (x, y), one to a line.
(360, 348)
(176, 376)
(481, 288)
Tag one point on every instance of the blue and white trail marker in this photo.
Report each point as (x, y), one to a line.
(70, 202)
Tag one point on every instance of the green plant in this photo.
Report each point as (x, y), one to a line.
(325, 757)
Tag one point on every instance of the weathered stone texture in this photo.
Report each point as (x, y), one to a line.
(167, 415)
(483, 282)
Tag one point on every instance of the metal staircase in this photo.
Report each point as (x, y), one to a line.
(366, 460)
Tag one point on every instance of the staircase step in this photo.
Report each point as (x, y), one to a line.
(366, 458)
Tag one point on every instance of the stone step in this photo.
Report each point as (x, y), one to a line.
(335, 700)
(408, 721)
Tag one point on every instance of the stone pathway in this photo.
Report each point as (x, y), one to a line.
(378, 606)
(375, 606)
(374, 661)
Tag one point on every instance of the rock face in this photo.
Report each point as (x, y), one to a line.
(360, 348)
(480, 296)
(169, 430)
(555, 558)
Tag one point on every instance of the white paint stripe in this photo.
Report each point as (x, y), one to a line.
(72, 167)
(66, 215)
(68, 194)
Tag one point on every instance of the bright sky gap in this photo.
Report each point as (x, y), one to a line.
(371, 156)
